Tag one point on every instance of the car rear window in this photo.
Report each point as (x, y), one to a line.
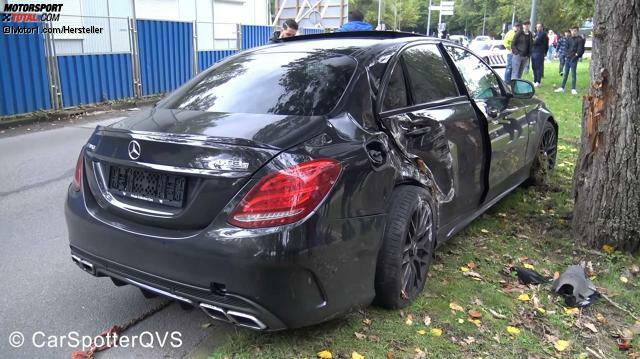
(304, 84)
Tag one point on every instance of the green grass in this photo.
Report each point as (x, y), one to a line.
(531, 225)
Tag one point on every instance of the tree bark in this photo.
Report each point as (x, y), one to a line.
(607, 175)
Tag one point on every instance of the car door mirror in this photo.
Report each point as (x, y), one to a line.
(522, 88)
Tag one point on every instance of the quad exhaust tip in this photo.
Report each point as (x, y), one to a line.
(83, 264)
(232, 316)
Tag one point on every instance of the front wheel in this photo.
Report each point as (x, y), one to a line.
(408, 247)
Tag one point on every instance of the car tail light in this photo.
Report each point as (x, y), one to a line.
(77, 177)
(286, 196)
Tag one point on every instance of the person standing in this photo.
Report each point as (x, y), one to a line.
(521, 49)
(553, 41)
(574, 51)
(508, 42)
(356, 23)
(538, 51)
(562, 48)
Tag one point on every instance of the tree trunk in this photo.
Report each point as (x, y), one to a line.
(607, 176)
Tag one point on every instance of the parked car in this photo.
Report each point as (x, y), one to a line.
(296, 181)
(460, 39)
(481, 38)
(493, 52)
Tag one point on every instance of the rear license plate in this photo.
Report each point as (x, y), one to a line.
(147, 186)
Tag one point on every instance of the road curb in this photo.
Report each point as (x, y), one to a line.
(50, 116)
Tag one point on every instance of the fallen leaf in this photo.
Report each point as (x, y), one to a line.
(471, 265)
(325, 354)
(529, 266)
(624, 279)
(556, 275)
(356, 355)
(422, 332)
(420, 354)
(524, 297)
(497, 315)
(484, 230)
(360, 335)
(472, 274)
(436, 332)
(571, 311)
(456, 306)
(390, 355)
(590, 326)
(427, 320)
(608, 249)
(206, 325)
(460, 321)
(513, 330)
(541, 310)
(561, 345)
(464, 269)
(600, 318)
(476, 322)
(469, 340)
(475, 314)
(366, 321)
(583, 355)
(635, 269)
(409, 320)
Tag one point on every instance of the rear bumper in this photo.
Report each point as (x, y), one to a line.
(287, 279)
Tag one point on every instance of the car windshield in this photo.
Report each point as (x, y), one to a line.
(304, 84)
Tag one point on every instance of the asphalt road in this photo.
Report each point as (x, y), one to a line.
(43, 294)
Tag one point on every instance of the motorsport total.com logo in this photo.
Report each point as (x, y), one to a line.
(31, 12)
(21, 15)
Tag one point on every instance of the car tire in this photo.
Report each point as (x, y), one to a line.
(406, 254)
(545, 160)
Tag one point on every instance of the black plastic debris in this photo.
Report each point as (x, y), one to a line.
(528, 276)
(577, 290)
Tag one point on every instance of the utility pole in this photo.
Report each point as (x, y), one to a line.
(429, 19)
(379, 14)
(484, 17)
(513, 15)
(534, 13)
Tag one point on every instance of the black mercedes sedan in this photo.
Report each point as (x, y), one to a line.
(296, 181)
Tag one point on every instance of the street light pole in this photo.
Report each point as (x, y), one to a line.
(484, 17)
(379, 14)
(534, 11)
(429, 19)
(513, 15)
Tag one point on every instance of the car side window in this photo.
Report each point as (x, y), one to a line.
(395, 95)
(428, 74)
(481, 82)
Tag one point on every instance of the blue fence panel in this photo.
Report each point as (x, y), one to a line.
(208, 58)
(95, 78)
(309, 31)
(255, 35)
(166, 54)
(24, 85)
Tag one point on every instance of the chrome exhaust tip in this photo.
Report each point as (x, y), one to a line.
(246, 320)
(232, 316)
(214, 312)
(83, 264)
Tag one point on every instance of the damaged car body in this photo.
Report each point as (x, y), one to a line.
(294, 182)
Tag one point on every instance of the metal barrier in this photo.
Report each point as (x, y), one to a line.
(208, 58)
(255, 35)
(127, 58)
(166, 54)
(24, 84)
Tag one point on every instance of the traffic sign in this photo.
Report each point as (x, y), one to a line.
(446, 12)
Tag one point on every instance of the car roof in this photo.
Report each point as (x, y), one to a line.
(358, 44)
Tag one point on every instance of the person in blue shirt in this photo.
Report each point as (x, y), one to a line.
(356, 23)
